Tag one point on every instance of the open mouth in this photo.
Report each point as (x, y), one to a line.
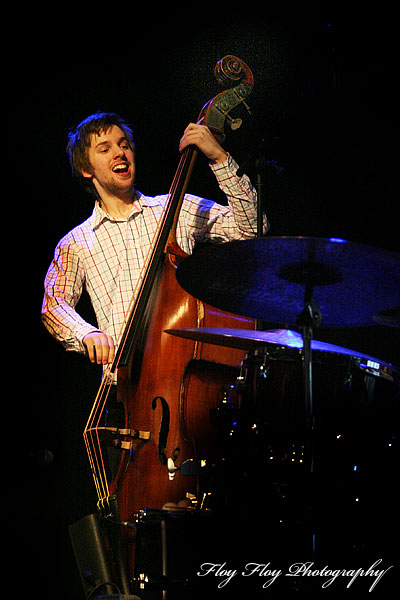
(121, 168)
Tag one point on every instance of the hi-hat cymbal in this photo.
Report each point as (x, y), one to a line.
(265, 278)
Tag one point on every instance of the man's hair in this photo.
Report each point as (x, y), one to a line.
(79, 140)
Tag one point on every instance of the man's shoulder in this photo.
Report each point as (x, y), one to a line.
(79, 233)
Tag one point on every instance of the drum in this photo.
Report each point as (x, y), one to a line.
(355, 398)
(331, 474)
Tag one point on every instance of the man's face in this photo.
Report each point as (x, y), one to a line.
(112, 163)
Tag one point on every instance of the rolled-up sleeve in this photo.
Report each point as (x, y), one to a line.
(203, 220)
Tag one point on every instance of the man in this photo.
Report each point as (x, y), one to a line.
(107, 252)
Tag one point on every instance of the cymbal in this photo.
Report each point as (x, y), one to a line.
(265, 278)
(248, 339)
(390, 317)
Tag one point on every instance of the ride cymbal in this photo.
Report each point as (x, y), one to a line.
(266, 278)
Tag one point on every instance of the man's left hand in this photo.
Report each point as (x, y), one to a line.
(201, 137)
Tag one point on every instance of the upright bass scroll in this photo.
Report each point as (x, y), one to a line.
(233, 73)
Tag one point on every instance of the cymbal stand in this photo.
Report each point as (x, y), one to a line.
(307, 321)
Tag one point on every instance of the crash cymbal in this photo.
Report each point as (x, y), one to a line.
(248, 339)
(242, 339)
(265, 278)
(286, 339)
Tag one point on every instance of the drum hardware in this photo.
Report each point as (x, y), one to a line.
(307, 321)
(226, 415)
(261, 357)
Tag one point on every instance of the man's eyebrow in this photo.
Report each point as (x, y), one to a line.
(107, 142)
(123, 139)
(104, 143)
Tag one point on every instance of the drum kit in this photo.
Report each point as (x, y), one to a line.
(299, 281)
(305, 460)
(299, 393)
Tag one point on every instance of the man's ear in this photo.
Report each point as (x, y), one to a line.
(86, 174)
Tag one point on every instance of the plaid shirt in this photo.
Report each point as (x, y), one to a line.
(107, 255)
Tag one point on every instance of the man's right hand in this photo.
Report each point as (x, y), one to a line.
(100, 347)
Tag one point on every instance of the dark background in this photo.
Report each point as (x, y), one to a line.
(323, 107)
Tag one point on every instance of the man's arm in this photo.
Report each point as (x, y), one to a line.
(63, 287)
(240, 222)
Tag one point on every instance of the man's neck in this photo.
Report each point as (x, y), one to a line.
(119, 208)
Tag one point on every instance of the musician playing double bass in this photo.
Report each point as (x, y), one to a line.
(107, 251)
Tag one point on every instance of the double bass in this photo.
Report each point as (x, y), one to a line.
(167, 385)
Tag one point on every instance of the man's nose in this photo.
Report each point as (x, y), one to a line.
(118, 151)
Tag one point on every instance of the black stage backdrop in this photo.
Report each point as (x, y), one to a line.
(323, 109)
